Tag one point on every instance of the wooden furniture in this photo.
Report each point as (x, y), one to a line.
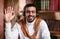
(53, 21)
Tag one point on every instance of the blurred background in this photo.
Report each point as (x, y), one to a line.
(49, 10)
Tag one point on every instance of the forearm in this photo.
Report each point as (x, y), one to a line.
(8, 33)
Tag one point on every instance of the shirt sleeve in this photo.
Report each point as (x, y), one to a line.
(44, 30)
(11, 33)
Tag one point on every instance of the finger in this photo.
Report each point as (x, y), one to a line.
(12, 8)
(12, 11)
(8, 10)
(5, 11)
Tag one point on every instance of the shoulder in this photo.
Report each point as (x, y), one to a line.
(43, 24)
(40, 20)
(21, 21)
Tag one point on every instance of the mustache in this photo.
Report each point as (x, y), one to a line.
(30, 16)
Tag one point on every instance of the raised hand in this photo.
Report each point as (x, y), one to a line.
(9, 14)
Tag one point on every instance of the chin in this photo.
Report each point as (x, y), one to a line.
(30, 21)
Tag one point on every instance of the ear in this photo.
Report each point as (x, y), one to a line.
(37, 14)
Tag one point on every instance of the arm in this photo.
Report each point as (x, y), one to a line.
(11, 33)
(8, 34)
(9, 15)
(44, 30)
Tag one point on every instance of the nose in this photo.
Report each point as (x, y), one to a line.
(30, 13)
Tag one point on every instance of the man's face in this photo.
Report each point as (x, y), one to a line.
(20, 12)
(30, 13)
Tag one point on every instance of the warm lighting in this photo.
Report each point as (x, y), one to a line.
(22, 3)
(57, 15)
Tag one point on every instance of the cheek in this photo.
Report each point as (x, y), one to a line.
(34, 14)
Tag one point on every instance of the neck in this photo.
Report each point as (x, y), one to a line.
(30, 21)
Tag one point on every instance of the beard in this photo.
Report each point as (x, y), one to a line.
(30, 21)
(31, 18)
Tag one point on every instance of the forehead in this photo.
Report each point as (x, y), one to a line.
(30, 8)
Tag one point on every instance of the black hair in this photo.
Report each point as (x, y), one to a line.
(29, 5)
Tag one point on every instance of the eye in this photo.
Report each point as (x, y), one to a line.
(28, 12)
(33, 11)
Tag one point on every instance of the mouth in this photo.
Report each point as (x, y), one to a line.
(30, 17)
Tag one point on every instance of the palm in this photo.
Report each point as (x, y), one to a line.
(9, 14)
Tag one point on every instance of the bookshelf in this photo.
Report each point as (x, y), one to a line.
(52, 22)
(47, 5)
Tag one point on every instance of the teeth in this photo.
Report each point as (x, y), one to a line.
(30, 17)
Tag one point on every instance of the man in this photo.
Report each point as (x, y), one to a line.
(28, 28)
(18, 16)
